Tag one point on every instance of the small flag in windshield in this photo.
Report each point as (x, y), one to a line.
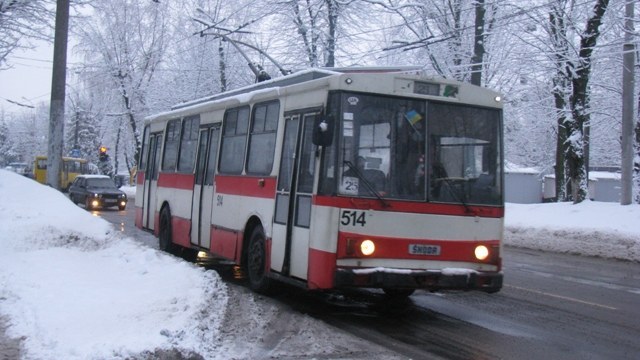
(413, 117)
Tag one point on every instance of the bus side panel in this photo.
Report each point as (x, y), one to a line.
(176, 190)
(322, 246)
(226, 243)
(237, 199)
(180, 231)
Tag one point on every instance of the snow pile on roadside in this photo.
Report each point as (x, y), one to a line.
(590, 228)
(73, 288)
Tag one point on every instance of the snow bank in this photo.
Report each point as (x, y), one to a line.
(73, 288)
(590, 228)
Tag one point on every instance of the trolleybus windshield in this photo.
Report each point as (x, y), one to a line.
(402, 148)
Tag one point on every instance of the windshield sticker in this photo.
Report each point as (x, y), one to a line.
(347, 116)
(347, 126)
(349, 185)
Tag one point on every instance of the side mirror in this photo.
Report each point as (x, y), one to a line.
(323, 130)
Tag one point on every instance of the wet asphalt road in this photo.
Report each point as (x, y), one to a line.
(552, 306)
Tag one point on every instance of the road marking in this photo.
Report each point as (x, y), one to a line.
(562, 297)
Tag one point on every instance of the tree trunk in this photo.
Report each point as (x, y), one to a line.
(223, 68)
(579, 101)
(332, 8)
(636, 162)
(560, 91)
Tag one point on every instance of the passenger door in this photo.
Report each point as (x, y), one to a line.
(151, 182)
(290, 249)
(204, 187)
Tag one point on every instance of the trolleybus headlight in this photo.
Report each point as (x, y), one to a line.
(367, 247)
(481, 252)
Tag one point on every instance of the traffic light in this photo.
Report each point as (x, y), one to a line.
(103, 156)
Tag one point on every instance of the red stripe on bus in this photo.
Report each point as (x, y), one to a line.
(409, 206)
(253, 186)
(140, 178)
(322, 266)
(395, 248)
(176, 181)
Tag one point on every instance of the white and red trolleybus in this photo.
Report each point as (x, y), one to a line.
(333, 180)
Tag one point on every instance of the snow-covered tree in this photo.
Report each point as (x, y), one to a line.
(7, 146)
(82, 137)
(22, 22)
(123, 43)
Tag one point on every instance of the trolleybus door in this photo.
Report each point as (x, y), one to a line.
(293, 198)
(202, 205)
(151, 182)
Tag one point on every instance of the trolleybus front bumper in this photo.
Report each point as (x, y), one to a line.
(431, 280)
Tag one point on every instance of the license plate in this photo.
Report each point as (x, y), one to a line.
(110, 201)
(419, 249)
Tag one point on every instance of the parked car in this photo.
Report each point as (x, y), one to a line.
(96, 191)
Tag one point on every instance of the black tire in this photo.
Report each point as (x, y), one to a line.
(256, 262)
(165, 241)
(398, 293)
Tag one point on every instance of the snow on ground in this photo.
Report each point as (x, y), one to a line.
(72, 287)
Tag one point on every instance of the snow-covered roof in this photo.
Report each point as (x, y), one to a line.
(296, 78)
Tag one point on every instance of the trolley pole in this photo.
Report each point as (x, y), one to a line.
(56, 108)
(628, 88)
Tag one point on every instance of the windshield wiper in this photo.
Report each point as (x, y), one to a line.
(367, 183)
(458, 194)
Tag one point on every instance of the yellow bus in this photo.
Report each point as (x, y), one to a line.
(71, 167)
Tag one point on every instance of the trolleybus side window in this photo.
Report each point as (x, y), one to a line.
(156, 166)
(262, 141)
(213, 158)
(188, 144)
(172, 141)
(307, 158)
(142, 163)
(236, 123)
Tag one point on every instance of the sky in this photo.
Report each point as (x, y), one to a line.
(74, 287)
(29, 79)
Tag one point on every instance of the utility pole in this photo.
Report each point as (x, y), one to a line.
(58, 81)
(628, 88)
(478, 45)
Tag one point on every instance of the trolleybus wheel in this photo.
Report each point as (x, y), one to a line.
(399, 293)
(164, 238)
(256, 262)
